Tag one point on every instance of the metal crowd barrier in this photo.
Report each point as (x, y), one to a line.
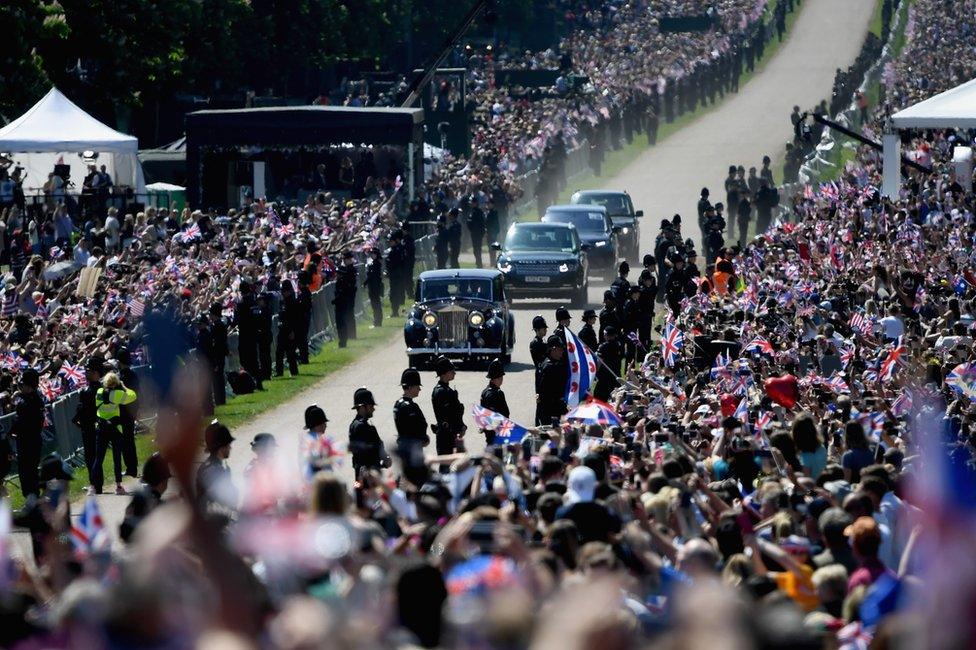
(62, 436)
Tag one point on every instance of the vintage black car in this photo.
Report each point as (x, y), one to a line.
(595, 229)
(544, 260)
(622, 213)
(460, 313)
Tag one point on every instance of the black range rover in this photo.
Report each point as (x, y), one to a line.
(545, 260)
(621, 210)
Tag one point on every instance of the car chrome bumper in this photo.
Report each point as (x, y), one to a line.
(445, 350)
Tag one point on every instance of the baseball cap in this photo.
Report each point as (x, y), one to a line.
(581, 485)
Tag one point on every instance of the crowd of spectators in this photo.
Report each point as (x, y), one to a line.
(795, 470)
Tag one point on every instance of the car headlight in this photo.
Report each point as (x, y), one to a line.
(625, 231)
(430, 319)
(601, 244)
(563, 267)
(505, 267)
(476, 319)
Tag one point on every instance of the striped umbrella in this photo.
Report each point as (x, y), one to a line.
(593, 411)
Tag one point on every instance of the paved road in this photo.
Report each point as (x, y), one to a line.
(664, 180)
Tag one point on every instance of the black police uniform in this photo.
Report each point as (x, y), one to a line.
(247, 316)
(609, 317)
(289, 324)
(345, 303)
(448, 413)
(453, 233)
(645, 305)
(588, 336)
(493, 398)
(396, 259)
(374, 288)
(611, 353)
(553, 376)
(476, 228)
(365, 445)
(410, 421)
(27, 426)
(213, 346)
(86, 420)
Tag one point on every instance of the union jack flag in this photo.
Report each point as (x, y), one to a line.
(73, 374)
(847, 355)
(903, 404)
(742, 411)
(761, 345)
(837, 384)
(671, 343)
(506, 431)
(88, 533)
(54, 253)
(49, 389)
(191, 233)
(893, 360)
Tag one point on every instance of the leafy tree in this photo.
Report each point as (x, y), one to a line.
(22, 75)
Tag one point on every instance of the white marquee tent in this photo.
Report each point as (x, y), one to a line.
(953, 109)
(56, 130)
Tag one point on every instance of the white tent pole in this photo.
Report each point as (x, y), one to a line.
(891, 165)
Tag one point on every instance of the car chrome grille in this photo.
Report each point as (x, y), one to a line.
(453, 326)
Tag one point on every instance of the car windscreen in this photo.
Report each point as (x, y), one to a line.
(530, 239)
(585, 222)
(617, 205)
(440, 288)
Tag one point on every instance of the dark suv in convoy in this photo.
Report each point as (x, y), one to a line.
(594, 227)
(546, 260)
(622, 213)
(461, 313)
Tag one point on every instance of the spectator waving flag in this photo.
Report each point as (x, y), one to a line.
(582, 370)
(760, 345)
(136, 307)
(893, 360)
(720, 368)
(74, 375)
(671, 343)
(962, 379)
(506, 431)
(742, 411)
(88, 534)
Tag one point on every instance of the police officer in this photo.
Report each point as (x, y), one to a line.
(364, 441)
(630, 322)
(452, 231)
(289, 324)
(345, 299)
(108, 400)
(441, 241)
(477, 228)
(609, 315)
(85, 417)
(492, 229)
(396, 259)
(213, 346)
(247, 316)
(374, 285)
(304, 298)
(448, 411)
(540, 352)
(214, 486)
(563, 319)
(129, 414)
(621, 285)
(587, 334)
(551, 395)
(492, 397)
(611, 353)
(410, 421)
(648, 293)
(26, 429)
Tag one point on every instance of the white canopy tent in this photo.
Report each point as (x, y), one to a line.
(56, 131)
(953, 109)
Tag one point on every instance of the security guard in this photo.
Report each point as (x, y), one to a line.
(345, 299)
(553, 376)
(492, 397)
(290, 321)
(587, 334)
(247, 317)
(621, 285)
(610, 314)
(563, 320)
(213, 345)
(364, 441)
(214, 486)
(108, 399)
(611, 354)
(448, 411)
(540, 352)
(395, 261)
(85, 417)
(411, 424)
(374, 285)
(27, 427)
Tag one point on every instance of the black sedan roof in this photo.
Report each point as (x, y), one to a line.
(448, 274)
